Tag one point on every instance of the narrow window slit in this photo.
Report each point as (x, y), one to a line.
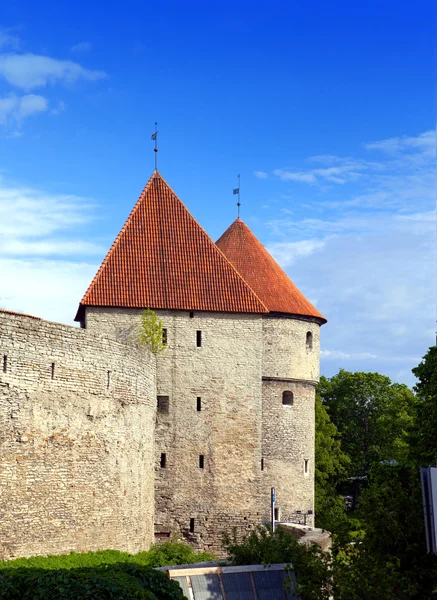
(287, 398)
(5, 363)
(306, 466)
(262, 464)
(108, 379)
(199, 404)
(309, 340)
(198, 338)
(163, 460)
(53, 371)
(163, 404)
(164, 337)
(191, 525)
(201, 461)
(191, 314)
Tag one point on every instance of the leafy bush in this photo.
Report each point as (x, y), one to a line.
(159, 555)
(121, 581)
(93, 575)
(311, 565)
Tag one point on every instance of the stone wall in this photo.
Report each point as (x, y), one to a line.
(77, 417)
(225, 374)
(291, 358)
(286, 353)
(288, 448)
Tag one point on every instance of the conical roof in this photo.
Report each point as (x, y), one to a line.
(263, 273)
(163, 259)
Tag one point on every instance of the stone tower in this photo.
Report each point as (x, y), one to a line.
(290, 372)
(235, 390)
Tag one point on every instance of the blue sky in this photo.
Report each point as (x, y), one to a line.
(326, 109)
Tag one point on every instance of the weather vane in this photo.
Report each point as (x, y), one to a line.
(237, 191)
(155, 139)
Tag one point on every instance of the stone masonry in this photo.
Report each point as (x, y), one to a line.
(77, 414)
(248, 438)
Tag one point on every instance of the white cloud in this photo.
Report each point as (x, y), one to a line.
(29, 213)
(8, 39)
(424, 143)
(39, 246)
(81, 47)
(44, 288)
(13, 108)
(368, 257)
(286, 253)
(29, 71)
(336, 354)
(260, 174)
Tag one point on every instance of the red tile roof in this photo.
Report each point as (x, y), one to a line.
(263, 273)
(163, 259)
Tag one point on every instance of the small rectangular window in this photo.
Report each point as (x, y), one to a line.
(191, 525)
(108, 379)
(163, 460)
(262, 464)
(52, 375)
(201, 461)
(198, 338)
(163, 404)
(199, 404)
(276, 513)
(5, 363)
(164, 337)
(306, 466)
(191, 314)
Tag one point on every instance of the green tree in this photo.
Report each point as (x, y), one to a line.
(150, 333)
(389, 562)
(373, 416)
(424, 437)
(331, 465)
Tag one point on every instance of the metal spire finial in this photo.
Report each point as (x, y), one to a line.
(237, 191)
(155, 138)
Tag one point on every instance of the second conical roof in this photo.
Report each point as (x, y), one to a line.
(260, 270)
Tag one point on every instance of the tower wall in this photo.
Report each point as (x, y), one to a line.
(225, 373)
(290, 364)
(77, 415)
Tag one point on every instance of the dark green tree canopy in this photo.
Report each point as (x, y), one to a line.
(372, 414)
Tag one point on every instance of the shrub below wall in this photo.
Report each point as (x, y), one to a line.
(108, 574)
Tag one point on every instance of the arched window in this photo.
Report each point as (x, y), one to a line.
(309, 340)
(287, 398)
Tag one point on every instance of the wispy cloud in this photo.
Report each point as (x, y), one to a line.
(13, 108)
(366, 253)
(286, 253)
(9, 39)
(260, 174)
(81, 47)
(29, 71)
(336, 354)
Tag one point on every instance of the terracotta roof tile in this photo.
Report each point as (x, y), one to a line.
(263, 273)
(19, 314)
(163, 259)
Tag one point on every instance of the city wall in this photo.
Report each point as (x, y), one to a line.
(77, 419)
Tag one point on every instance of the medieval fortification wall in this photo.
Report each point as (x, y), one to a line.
(77, 419)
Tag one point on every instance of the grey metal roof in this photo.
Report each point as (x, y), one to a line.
(248, 582)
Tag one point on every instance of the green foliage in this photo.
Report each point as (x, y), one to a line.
(105, 574)
(159, 555)
(331, 465)
(373, 416)
(424, 437)
(150, 332)
(390, 560)
(312, 566)
(120, 581)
